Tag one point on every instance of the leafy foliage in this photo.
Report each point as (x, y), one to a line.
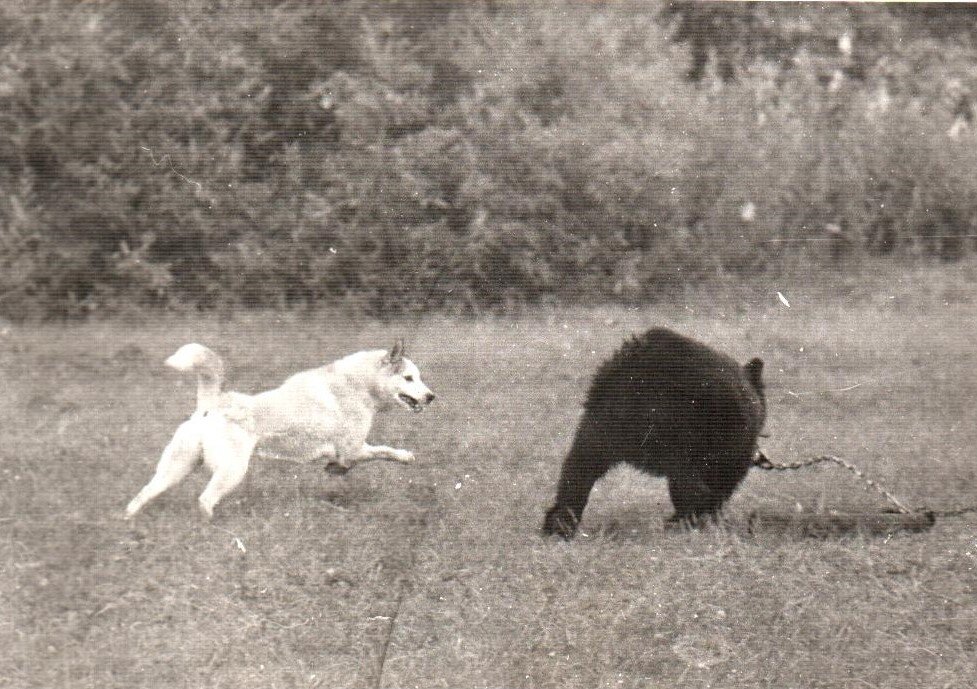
(414, 155)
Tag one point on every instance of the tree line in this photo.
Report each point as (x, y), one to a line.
(432, 154)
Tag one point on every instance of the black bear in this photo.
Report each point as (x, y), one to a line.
(672, 407)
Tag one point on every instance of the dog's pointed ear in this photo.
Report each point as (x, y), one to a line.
(396, 353)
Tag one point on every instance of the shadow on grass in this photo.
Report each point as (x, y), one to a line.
(635, 525)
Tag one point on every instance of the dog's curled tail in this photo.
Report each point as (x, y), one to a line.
(195, 358)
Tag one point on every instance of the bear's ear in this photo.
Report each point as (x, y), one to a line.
(754, 373)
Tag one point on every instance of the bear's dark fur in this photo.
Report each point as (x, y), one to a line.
(672, 407)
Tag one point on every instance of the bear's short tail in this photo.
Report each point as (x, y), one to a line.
(209, 368)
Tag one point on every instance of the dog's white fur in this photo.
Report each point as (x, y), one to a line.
(326, 411)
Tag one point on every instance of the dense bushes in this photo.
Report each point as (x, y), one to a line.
(436, 154)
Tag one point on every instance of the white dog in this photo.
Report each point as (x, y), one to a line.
(324, 412)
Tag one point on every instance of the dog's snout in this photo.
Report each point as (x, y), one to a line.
(429, 397)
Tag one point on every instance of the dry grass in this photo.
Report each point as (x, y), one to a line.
(304, 579)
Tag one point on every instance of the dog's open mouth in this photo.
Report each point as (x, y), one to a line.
(410, 402)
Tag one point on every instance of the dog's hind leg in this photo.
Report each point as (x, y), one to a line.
(227, 453)
(179, 458)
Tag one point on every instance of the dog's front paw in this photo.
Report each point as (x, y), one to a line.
(405, 456)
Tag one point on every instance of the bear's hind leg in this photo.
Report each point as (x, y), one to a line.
(722, 482)
(694, 502)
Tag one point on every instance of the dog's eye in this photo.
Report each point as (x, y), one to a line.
(409, 378)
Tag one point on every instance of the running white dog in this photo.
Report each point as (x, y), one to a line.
(324, 412)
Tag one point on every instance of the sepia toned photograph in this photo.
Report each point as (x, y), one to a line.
(584, 344)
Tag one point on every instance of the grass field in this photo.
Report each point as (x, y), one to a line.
(435, 575)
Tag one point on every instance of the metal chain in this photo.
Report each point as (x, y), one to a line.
(761, 461)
